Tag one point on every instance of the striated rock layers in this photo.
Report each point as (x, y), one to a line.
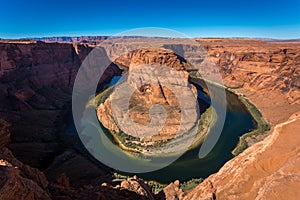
(36, 81)
(35, 85)
(258, 65)
(18, 181)
(157, 84)
(268, 74)
(267, 170)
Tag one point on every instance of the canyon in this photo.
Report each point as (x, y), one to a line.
(156, 77)
(39, 161)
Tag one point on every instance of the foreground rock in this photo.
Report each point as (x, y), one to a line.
(19, 181)
(13, 186)
(139, 186)
(268, 170)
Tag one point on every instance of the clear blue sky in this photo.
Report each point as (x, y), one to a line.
(232, 18)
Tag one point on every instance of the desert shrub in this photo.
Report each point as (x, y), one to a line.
(188, 185)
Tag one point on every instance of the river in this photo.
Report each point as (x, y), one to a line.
(238, 121)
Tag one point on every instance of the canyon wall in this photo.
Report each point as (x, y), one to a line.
(269, 75)
(36, 82)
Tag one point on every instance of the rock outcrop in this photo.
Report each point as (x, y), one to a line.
(35, 95)
(35, 85)
(258, 65)
(172, 192)
(19, 181)
(14, 186)
(267, 170)
(157, 77)
(268, 74)
(4, 133)
(138, 185)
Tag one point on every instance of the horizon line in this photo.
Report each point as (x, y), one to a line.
(197, 37)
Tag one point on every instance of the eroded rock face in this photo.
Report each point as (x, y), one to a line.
(4, 133)
(267, 73)
(19, 181)
(267, 170)
(258, 65)
(14, 186)
(158, 56)
(137, 185)
(35, 87)
(172, 191)
(35, 95)
(156, 77)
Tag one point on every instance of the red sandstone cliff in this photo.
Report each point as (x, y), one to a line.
(36, 81)
(267, 74)
(35, 86)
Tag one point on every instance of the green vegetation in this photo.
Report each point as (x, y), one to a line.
(95, 101)
(156, 187)
(262, 126)
(120, 176)
(101, 97)
(185, 186)
(206, 121)
(135, 146)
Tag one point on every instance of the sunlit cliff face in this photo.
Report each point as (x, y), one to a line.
(155, 103)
